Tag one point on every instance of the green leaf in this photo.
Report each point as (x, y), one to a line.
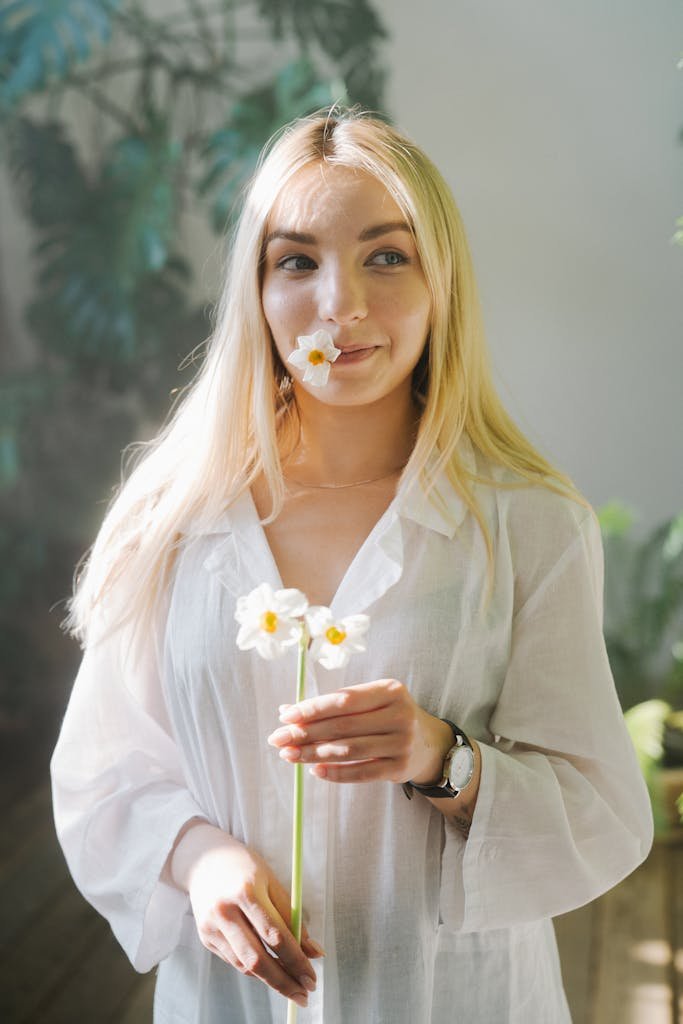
(645, 724)
(231, 152)
(615, 519)
(9, 458)
(137, 185)
(45, 167)
(337, 26)
(678, 233)
(98, 241)
(673, 545)
(365, 80)
(41, 40)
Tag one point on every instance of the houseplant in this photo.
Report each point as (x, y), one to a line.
(644, 637)
(120, 119)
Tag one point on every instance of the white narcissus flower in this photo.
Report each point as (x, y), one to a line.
(335, 640)
(270, 620)
(315, 355)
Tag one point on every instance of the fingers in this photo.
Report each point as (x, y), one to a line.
(360, 748)
(275, 933)
(350, 700)
(238, 944)
(242, 914)
(383, 720)
(366, 771)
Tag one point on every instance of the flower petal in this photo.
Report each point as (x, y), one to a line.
(247, 636)
(356, 626)
(258, 600)
(334, 655)
(318, 618)
(269, 648)
(317, 375)
(290, 602)
(299, 358)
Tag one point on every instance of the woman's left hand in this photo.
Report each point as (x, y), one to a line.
(364, 733)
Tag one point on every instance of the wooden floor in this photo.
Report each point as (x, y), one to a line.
(622, 956)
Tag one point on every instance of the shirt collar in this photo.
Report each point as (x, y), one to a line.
(444, 509)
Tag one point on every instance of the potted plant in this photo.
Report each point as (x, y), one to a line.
(644, 637)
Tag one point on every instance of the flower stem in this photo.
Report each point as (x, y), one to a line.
(298, 817)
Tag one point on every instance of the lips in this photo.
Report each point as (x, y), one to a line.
(355, 354)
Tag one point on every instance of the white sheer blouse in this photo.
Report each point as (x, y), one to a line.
(418, 924)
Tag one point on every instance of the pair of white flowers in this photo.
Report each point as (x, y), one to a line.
(315, 355)
(272, 621)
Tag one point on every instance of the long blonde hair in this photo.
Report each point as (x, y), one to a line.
(226, 429)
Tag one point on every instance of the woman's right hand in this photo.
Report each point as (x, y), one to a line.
(241, 911)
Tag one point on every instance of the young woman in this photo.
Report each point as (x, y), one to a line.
(402, 489)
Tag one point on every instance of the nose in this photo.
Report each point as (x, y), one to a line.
(342, 298)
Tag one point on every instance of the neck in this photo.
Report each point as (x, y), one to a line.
(346, 444)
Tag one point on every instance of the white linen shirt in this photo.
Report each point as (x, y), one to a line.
(419, 925)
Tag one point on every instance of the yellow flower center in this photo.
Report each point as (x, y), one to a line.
(316, 357)
(269, 622)
(334, 635)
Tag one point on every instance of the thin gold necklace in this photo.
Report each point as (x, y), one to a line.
(340, 487)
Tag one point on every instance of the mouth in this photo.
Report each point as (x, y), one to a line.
(355, 353)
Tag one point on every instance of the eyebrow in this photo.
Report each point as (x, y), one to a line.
(366, 235)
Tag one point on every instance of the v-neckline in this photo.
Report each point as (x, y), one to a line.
(381, 529)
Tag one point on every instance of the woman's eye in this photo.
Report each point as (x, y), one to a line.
(296, 263)
(388, 259)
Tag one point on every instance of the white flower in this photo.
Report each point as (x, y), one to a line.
(335, 640)
(315, 355)
(270, 620)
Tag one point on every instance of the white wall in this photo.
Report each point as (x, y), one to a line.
(556, 126)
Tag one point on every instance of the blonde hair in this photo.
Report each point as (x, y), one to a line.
(227, 427)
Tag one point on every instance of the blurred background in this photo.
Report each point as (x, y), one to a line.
(127, 130)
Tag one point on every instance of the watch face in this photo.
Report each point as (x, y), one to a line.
(462, 767)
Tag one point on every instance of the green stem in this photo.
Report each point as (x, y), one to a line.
(298, 818)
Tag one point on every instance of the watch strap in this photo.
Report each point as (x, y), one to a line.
(445, 789)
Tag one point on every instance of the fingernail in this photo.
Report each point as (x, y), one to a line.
(283, 707)
(317, 947)
(290, 754)
(290, 714)
(307, 982)
(300, 998)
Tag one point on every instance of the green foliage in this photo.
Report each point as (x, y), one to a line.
(644, 607)
(678, 233)
(41, 40)
(645, 723)
(340, 27)
(112, 311)
(232, 151)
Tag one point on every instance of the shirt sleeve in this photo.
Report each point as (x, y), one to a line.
(563, 813)
(119, 796)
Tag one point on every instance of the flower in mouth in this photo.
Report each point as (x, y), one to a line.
(335, 640)
(315, 355)
(269, 620)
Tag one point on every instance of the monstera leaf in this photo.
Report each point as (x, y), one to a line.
(41, 40)
(337, 26)
(643, 592)
(232, 151)
(94, 260)
(46, 171)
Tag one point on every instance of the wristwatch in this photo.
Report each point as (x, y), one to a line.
(457, 771)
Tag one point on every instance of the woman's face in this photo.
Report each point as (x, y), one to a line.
(339, 256)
